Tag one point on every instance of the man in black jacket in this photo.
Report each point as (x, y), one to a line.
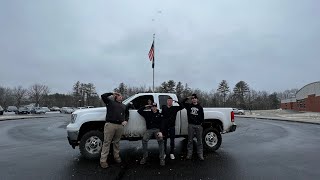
(170, 113)
(195, 120)
(116, 118)
(153, 121)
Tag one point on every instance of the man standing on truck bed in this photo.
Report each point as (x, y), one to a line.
(116, 118)
(169, 114)
(153, 121)
(195, 120)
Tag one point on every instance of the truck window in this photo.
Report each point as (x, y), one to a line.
(163, 100)
(141, 101)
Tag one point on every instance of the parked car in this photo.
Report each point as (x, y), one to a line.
(238, 111)
(55, 108)
(63, 109)
(46, 109)
(39, 110)
(86, 127)
(24, 110)
(12, 109)
(67, 110)
(89, 107)
(1, 110)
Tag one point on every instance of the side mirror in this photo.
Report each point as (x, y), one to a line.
(130, 105)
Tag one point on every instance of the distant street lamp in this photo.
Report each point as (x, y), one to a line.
(79, 103)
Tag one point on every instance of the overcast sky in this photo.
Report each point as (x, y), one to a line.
(273, 45)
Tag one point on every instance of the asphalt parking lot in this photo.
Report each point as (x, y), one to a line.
(259, 149)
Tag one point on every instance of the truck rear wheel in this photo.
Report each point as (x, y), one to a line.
(91, 145)
(211, 139)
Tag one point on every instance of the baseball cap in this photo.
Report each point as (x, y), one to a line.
(195, 96)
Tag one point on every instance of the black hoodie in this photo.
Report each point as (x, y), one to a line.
(153, 119)
(195, 113)
(116, 111)
(170, 114)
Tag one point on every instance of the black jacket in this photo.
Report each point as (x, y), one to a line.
(170, 114)
(195, 113)
(153, 120)
(116, 111)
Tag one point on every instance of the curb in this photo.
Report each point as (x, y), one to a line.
(279, 119)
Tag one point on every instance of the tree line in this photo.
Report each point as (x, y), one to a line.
(84, 94)
(240, 96)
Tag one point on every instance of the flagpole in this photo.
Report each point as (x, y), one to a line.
(153, 62)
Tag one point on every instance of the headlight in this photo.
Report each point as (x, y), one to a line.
(73, 118)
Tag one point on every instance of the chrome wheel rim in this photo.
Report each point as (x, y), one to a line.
(211, 139)
(93, 145)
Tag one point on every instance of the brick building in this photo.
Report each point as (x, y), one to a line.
(307, 99)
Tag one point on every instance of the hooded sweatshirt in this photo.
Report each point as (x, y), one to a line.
(170, 114)
(116, 111)
(153, 119)
(195, 113)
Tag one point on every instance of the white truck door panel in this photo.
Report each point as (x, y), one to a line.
(184, 122)
(136, 125)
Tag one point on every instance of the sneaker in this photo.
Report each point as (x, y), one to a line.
(162, 162)
(117, 160)
(164, 156)
(201, 157)
(189, 157)
(143, 161)
(172, 156)
(104, 165)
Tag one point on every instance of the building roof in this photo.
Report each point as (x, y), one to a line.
(309, 89)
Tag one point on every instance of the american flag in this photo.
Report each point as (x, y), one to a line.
(151, 54)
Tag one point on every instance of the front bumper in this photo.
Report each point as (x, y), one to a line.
(73, 138)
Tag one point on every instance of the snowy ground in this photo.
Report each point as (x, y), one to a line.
(284, 115)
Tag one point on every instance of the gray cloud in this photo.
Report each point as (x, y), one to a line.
(273, 45)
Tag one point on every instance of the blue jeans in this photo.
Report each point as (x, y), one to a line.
(171, 135)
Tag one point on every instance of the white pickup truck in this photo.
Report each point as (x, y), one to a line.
(86, 127)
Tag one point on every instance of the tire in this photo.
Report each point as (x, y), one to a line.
(211, 139)
(91, 145)
(1, 112)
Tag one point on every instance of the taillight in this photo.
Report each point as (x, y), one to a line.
(232, 116)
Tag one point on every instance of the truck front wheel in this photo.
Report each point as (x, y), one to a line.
(211, 139)
(91, 145)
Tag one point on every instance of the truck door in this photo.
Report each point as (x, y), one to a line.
(136, 125)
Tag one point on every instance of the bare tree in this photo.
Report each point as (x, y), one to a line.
(6, 97)
(19, 93)
(38, 92)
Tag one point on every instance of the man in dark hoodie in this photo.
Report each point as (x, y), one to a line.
(153, 121)
(169, 114)
(116, 118)
(195, 120)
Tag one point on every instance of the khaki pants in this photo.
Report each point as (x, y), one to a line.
(112, 133)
